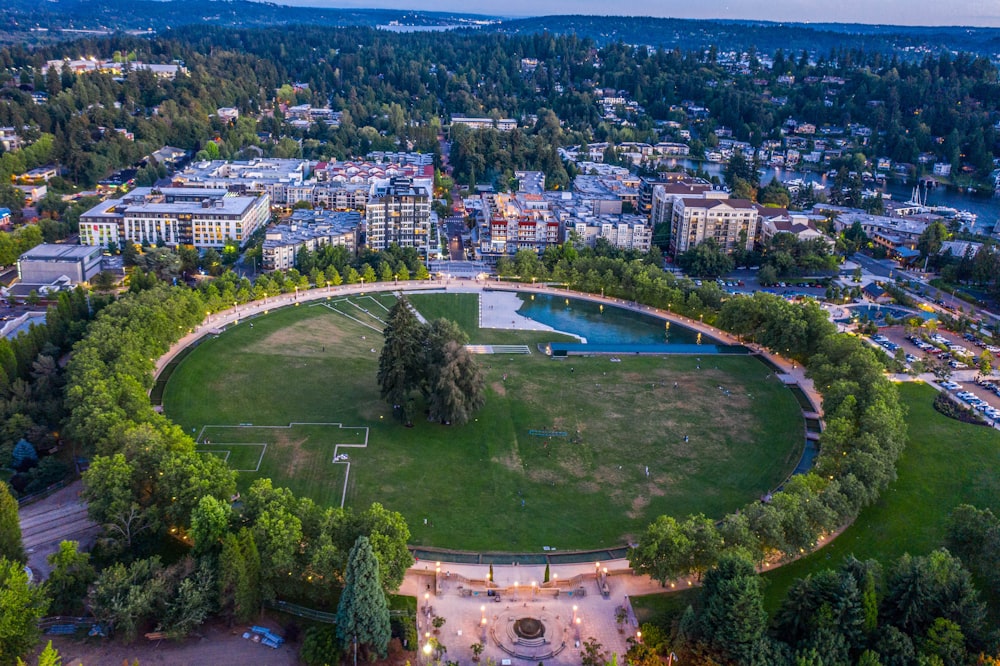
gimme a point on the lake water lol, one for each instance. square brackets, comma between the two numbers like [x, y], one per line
[611, 326]
[985, 206]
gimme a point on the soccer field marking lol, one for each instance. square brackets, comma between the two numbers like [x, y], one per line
[376, 302]
[367, 312]
[220, 447]
[293, 424]
[329, 306]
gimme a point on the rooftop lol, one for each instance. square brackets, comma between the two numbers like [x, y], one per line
[59, 252]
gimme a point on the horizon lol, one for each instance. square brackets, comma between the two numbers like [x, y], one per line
[931, 14]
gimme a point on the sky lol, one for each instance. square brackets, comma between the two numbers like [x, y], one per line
[977, 13]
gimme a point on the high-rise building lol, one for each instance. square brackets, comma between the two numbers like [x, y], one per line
[398, 212]
[731, 222]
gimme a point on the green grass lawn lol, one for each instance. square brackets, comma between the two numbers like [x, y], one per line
[463, 309]
[490, 484]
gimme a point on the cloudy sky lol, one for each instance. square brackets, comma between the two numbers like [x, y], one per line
[980, 13]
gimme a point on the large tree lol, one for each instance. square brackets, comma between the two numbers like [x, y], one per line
[706, 259]
[401, 358]
[363, 614]
[432, 358]
[931, 239]
[732, 621]
[453, 383]
[10, 527]
[21, 606]
[71, 574]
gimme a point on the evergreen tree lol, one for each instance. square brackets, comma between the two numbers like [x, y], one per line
[248, 588]
[10, 527]
[401, 358]
[362, 614]
[455, 382]
[239, 576]
[732, 620]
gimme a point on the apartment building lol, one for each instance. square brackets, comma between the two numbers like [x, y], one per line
[258, 176]
[398, 211]
[731, 222]
[311, 229]
[662, 197]
[502, 124]
[516, 222]
[175, 216]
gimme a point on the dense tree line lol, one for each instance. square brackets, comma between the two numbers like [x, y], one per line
[918, 610]
[32, 382]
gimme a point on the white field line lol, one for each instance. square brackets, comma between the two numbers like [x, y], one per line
[367, 312]
[377, 302]
[363, 323]
[220, 445]
[336, 448]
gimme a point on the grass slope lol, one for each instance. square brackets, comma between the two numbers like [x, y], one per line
[945, 463]
[490, 484]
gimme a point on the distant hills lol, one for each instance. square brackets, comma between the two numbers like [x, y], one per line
[63, 18]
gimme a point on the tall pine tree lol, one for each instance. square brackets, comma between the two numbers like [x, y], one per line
[363, 615]
[400, 361]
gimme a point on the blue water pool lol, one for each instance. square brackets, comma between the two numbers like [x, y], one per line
[609, 326]
[880, 312]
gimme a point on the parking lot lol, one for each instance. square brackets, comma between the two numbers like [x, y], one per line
[982, 395]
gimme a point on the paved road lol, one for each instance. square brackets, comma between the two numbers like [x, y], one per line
[59, 517]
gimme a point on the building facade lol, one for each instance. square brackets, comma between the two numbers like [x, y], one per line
[45, 264]
[731, 222]
[175, 216]
[311, 230]
[398, 211]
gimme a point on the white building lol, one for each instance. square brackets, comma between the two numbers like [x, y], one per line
[696, 220]
[175, 216]
[503, 124]
[271, 176]
[398, 211]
